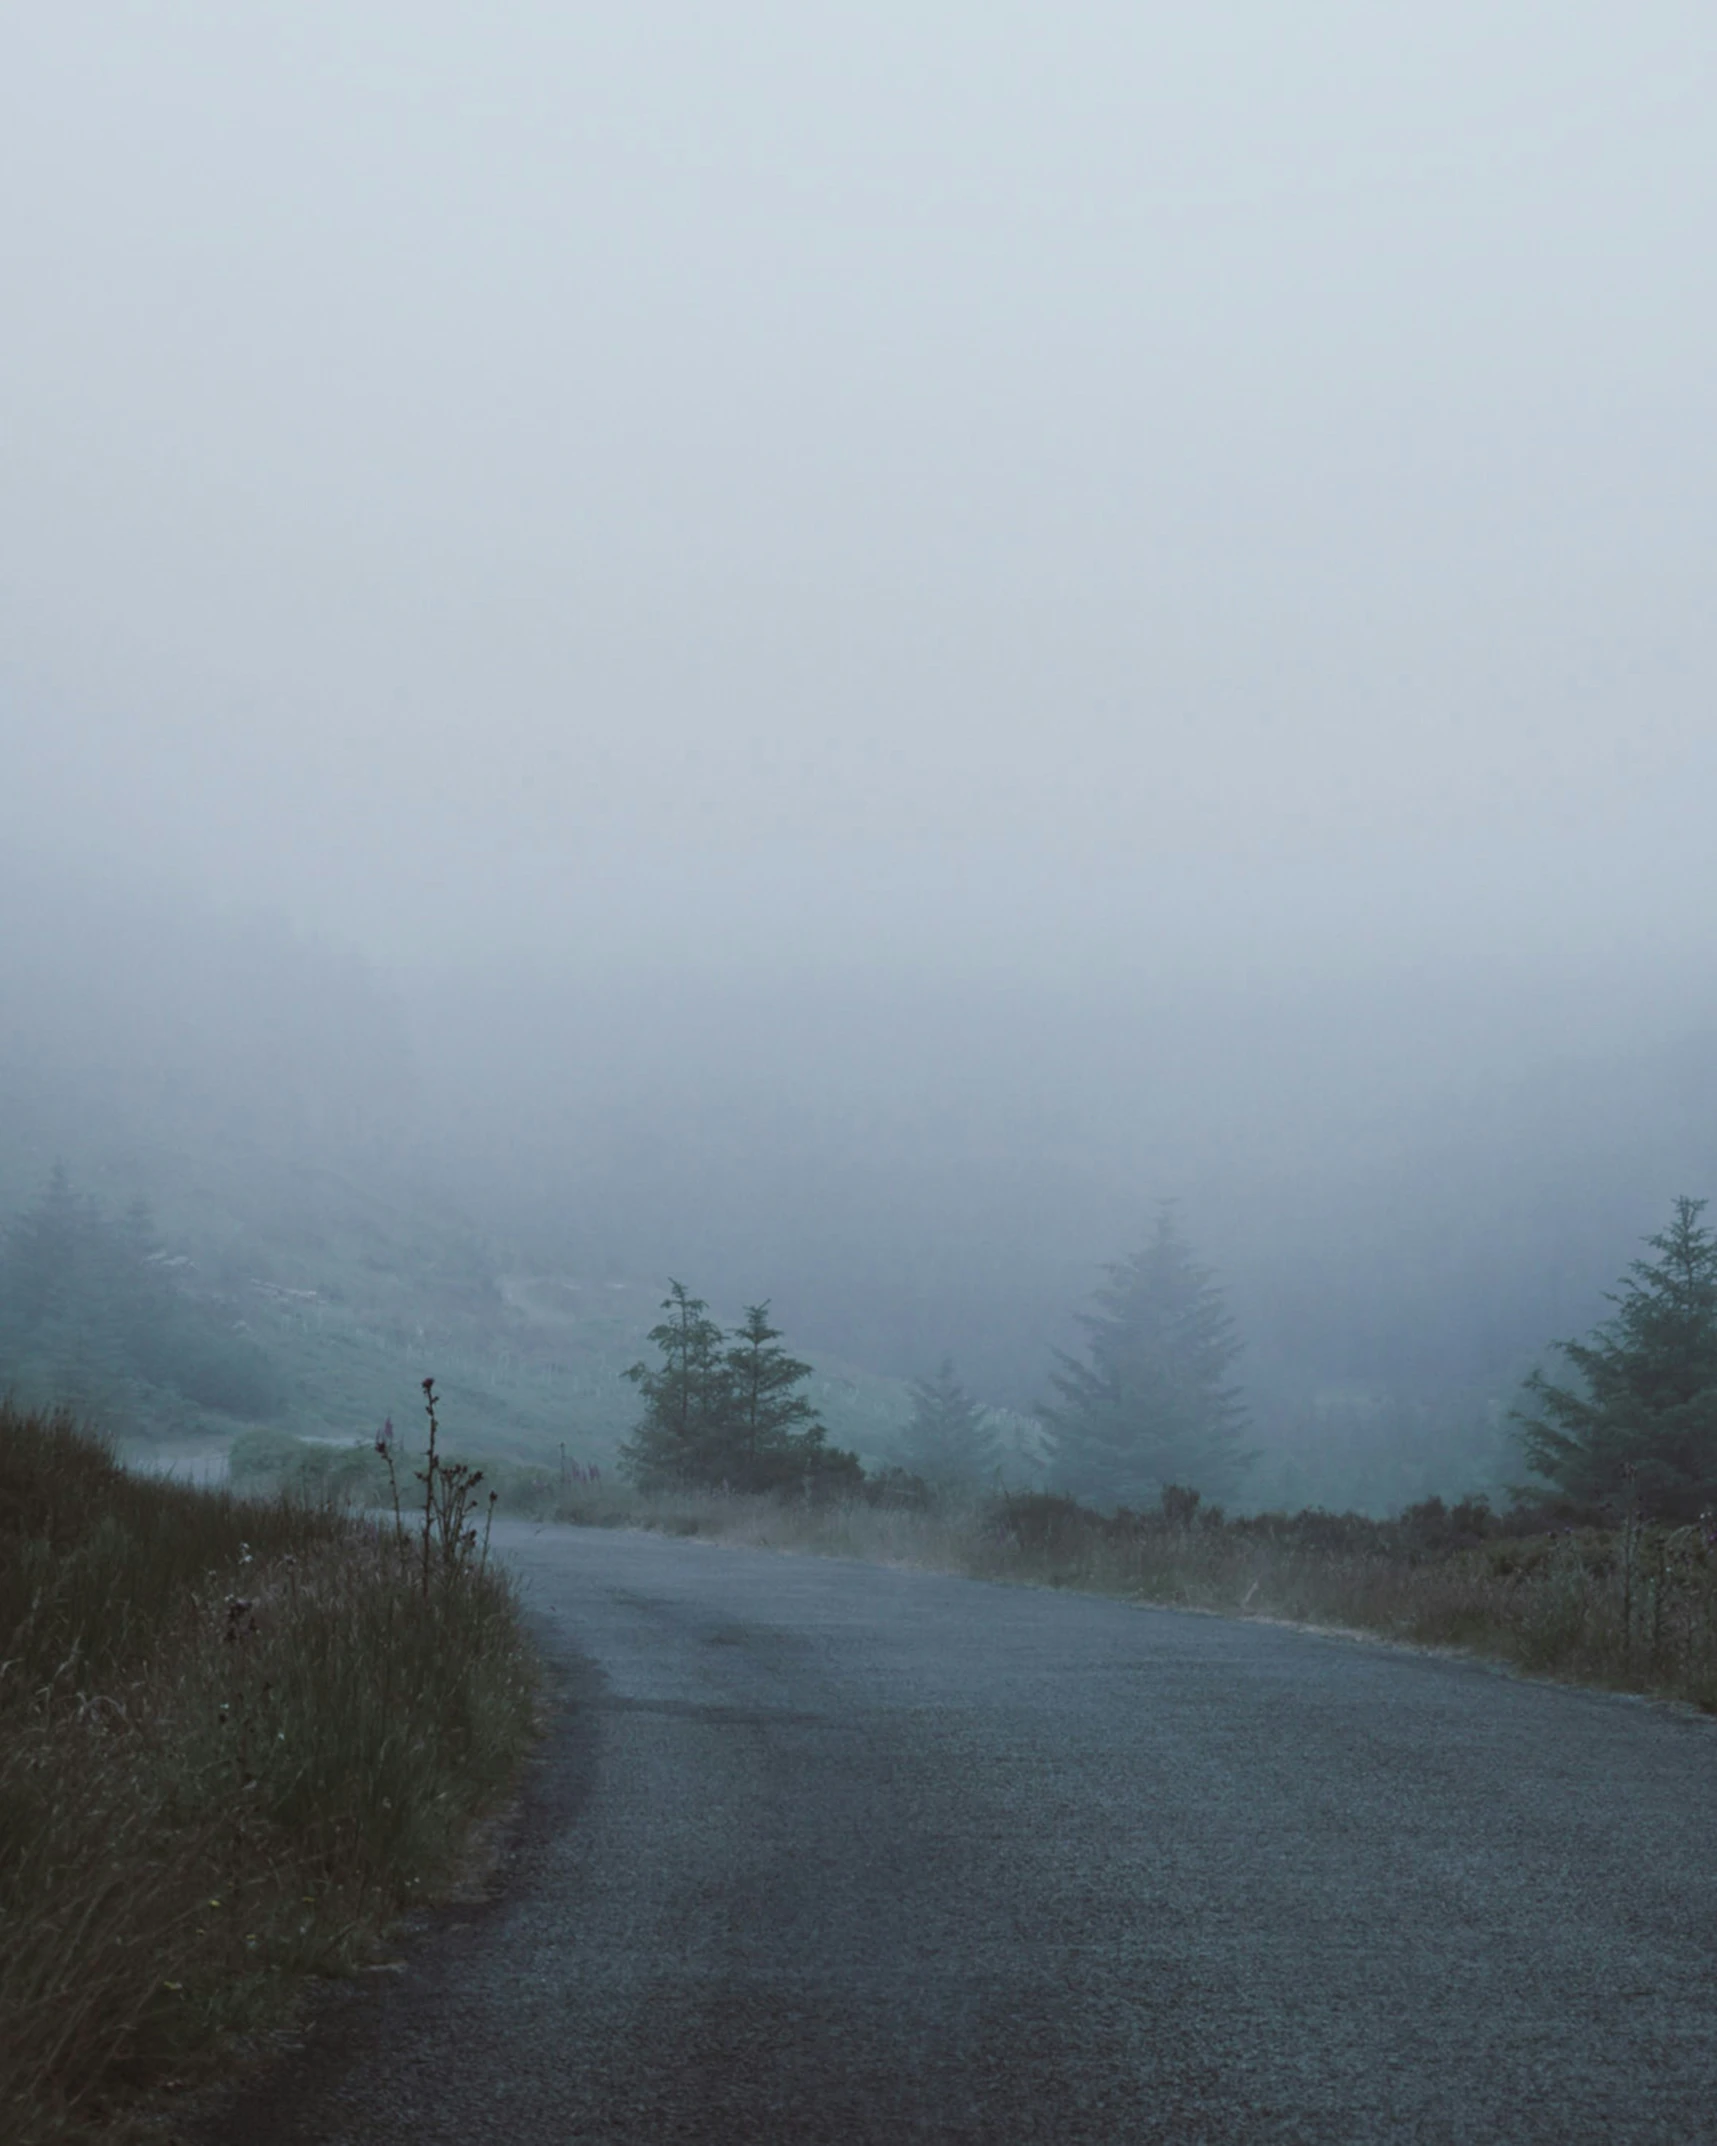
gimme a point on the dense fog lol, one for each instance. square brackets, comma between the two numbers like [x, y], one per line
[829, 656]
[1407, 1191]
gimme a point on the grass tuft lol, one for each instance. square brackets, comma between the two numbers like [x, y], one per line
[236, 1739]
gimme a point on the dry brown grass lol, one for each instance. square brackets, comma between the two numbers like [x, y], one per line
[235, 1739]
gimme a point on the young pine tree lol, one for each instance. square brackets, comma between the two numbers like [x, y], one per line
[773, 1429]
[1645, 1408]
[686, 1403]
[1151, 1405]
[734, 1416]
[950, 1442]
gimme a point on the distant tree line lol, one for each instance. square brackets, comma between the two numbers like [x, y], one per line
[96, 1312]
[1149, 1406]
[93, 1313]
[1148, 1410]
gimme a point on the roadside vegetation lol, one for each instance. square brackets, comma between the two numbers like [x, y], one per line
[1553, 1589]
[1605, 1571]
[1601, 1569]
[238, 1738]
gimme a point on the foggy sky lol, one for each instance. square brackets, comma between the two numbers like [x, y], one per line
[1223, 490]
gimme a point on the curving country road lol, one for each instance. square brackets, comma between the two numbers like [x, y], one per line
[823, 1852]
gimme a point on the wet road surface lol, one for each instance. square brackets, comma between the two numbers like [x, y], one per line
[823, 1852]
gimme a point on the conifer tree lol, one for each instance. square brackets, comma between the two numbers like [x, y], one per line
[732, 1417]
[90, 1316]
[1151, 1404]
[772, 1427]
[951, 1440]
[1644, 1412]
[56, 1314]
[49, 1255]
[682, 1428]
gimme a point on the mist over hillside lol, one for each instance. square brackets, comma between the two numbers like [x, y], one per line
[922, 785]
[1407, 1191]
[827, 655]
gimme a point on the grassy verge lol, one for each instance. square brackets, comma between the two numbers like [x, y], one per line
[1632, 1607]
[236, 1739]
[1557, 1593]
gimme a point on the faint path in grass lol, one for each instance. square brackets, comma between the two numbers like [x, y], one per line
[822, 1851]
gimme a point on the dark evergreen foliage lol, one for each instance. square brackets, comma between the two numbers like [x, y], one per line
[950, 1441]
[730, 1417]
[1642, 1420]
[770, 1419]
[1151, 1405]
[680, 1433]
[94, 1314]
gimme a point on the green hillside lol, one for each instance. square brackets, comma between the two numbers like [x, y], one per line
[183, 1325]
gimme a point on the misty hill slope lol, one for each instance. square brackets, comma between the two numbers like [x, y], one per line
[526, 1361]
[321, 1315]
[358, 1181]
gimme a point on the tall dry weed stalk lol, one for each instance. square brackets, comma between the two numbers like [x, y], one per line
[449, 1491]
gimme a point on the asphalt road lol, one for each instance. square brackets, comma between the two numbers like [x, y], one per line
[822, 1852]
